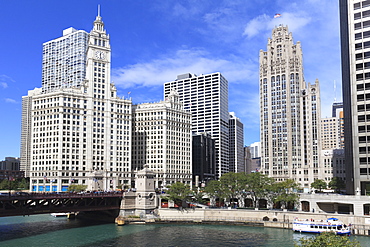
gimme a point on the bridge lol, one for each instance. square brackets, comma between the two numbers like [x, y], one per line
[42, 203]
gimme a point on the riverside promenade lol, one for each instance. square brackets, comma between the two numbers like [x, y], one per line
[265, 218]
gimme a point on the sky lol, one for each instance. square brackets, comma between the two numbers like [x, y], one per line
[153, 41]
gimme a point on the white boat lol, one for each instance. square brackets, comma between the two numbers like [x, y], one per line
[59, 214]
[319, 226]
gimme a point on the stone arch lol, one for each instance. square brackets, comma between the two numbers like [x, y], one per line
[248, 203]
[262, 203]
[265, 218]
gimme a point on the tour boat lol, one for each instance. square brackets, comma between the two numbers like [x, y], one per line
[59, 214]
[319, 226]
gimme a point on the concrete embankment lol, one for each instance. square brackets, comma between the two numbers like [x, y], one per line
[266, 218]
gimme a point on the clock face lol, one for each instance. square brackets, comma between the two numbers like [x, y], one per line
[99, 55]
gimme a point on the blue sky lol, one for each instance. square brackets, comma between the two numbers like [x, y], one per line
[154, 41]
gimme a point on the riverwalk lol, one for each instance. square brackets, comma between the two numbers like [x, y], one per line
[265, 218]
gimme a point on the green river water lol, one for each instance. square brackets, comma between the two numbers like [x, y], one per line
[45, 230]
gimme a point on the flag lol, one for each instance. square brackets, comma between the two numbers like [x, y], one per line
[129, 92]
[45, 178]
[277, 15]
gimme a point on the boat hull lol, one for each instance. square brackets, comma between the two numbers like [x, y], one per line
[59, 214]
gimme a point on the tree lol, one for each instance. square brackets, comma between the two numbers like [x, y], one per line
[337, 184]
[233, 185]
[286, 192]
[327, 239]
[259, 186]
[214, 190]
[319, 184]
[178, 192]
[76, 188]
[8, 184]
[197, 196]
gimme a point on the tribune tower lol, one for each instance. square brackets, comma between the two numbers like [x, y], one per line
[289, 112]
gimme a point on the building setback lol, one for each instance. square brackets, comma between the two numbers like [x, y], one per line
[161, 140]
[206, 96]
[75, 130]
[289, 112]
[355, 44]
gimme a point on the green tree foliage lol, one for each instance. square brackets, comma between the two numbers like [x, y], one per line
[328, 239]
[213, 189]
[233, 185]
[255, 186]
[15, 184]
[76, 188]
[197, 196]
[178, 192]
[337, 184]
[259, 186]
[286, 192]
[319, 184]
[23, 184]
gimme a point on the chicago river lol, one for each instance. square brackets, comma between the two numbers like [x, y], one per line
[45, 230]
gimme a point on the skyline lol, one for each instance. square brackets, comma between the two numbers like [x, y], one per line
[153, 42]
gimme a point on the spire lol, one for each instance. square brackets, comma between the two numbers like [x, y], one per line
[98, 23]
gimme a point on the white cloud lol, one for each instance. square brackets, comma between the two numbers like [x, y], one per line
[256, 25]
[161, 70]
[264, 23]
[9, 100]
[5, 80]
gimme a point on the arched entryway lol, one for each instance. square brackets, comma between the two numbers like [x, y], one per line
[305, 205]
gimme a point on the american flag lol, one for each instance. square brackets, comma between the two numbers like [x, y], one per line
[277, 15]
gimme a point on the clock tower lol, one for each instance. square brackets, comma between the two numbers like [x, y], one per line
[98, 61]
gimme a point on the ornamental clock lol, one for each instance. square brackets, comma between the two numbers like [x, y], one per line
[99, 55]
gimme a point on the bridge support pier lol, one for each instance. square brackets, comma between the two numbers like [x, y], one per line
[140, 203]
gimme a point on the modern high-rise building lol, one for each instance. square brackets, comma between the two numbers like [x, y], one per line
[204, 159]
[236, 144]
[255, 150]
[161, 140]
[64, 59]
[355, 47]
[26, 134]
[333, 164]
[289, 112]
[335, 107]
[332, 129]
[330, 138]
[206, 96]
[75, 130]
